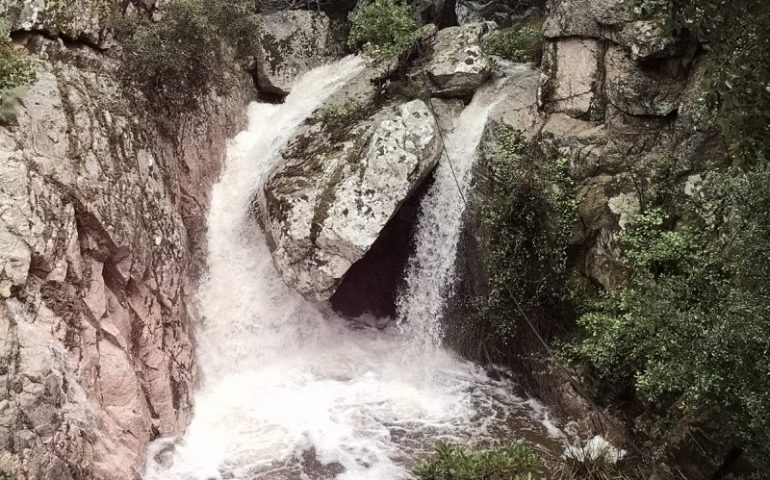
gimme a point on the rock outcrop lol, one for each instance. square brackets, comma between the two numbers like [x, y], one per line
[101, 239]
[327, 203]
[622, 95]
[83, 20]
[502, 12]
[457, 66]
[291, 42]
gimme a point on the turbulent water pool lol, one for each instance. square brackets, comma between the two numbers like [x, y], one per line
[291, 390]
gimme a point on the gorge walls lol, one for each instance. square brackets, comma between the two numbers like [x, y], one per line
[102, 234]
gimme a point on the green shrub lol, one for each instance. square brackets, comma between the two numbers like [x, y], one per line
[16, 71]
[690, 331]
[182, 57]
[336, 117]
[527, 217]
[520, 43]
[456, 462]
[382, 29]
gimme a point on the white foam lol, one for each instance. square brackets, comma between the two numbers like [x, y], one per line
[286, 380]
[431, 269]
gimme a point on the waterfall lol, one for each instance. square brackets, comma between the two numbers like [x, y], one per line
[290, 390]
[431, 268]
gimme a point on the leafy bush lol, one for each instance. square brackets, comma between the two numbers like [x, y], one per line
[520, 43]
[180, 58]
[527, 218]
[382, 29]
[336, 117]
[456, 462]
[690, 332]
[16, 71]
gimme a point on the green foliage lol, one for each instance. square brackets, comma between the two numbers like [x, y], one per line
[592, 466]
[16, 71]
[527, 220]
[182, 57]
[10, 99]
[335, 117]
[737, 34]
[690, 332]
[522, 42]
[382, 29]
[456, 462]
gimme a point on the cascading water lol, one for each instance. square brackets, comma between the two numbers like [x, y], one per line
[290, 391]
[431, 268]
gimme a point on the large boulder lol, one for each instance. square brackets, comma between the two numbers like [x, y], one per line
[458, 66]
[572, 77]
[612, 20]
[341, 182]
[291, 42]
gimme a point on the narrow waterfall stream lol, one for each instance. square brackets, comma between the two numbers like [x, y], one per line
[431, 268]
[289, 390]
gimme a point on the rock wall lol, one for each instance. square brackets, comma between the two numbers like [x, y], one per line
[102, 231]
[622, 99]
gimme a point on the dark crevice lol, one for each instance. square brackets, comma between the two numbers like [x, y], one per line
[372, 284]
[448, 17]
[81, 42]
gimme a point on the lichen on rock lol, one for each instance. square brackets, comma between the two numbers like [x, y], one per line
[326, 204]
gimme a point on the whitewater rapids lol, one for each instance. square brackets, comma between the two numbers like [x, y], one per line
[290, 390]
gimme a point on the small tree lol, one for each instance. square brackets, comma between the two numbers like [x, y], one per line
[522, 42]
[382, 29]
[180, 58]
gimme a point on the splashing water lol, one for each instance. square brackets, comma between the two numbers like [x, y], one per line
[431, 268]
[290, 391]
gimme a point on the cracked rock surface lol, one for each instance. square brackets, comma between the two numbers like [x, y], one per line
[101, 241]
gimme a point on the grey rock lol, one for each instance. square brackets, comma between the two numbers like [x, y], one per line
[572, 77]
[501, 12]
[610, 20]
[640, 91]
[326, 205]
[291, 42]
[458, 66]
[80, 19]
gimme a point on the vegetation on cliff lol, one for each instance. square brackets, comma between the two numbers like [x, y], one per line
[688, 330]
[527, 216]
[16, 72]
[180, 59]
[737, 36]
[686, 338]
[382, 28]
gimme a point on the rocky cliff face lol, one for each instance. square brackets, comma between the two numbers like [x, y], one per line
[622, 103]
[101, 240]
[102, 216]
